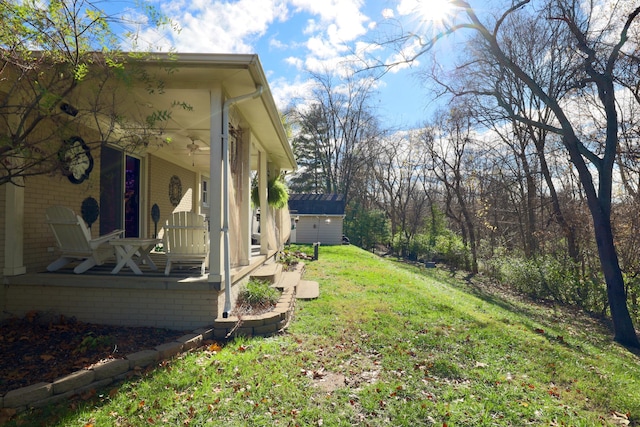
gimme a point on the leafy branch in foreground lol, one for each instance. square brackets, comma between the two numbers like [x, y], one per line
[61, 73]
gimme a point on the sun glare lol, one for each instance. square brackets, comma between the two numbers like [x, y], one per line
[435, 11]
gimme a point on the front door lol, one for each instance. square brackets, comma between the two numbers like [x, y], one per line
[120, 192]
[132, 197]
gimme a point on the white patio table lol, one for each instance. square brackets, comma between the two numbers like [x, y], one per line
[133, 251]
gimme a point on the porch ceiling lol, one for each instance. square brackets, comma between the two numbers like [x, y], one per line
[195, 75]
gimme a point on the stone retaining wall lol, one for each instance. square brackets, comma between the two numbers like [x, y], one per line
[259, 325]
[99, 375]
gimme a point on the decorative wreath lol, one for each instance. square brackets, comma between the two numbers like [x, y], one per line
[175, 190]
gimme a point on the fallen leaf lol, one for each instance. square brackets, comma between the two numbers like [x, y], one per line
[214, 347]
[620, 418]
[31, 315]
[46, 357]
[6, 414]
[88, 394]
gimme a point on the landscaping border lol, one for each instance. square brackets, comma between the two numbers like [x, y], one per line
[104, 373]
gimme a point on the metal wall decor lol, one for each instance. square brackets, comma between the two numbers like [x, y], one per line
[90, 210]
[175, 190]
[155, 216]
[76, 159]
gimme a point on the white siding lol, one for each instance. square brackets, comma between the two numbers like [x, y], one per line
[324, 229]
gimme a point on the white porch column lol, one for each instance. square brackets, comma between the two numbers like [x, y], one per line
[245, 204]
[14, 231]
[264, 207]
[216, 268]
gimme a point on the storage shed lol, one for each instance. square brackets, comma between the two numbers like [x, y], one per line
[319, 218]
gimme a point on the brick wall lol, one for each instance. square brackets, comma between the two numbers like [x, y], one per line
[160, 173]
[3, 191]
[44, 191]
[3, 297]
[184, 306]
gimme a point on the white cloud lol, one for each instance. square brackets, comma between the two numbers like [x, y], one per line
[277, 44]
[349, 21]
[407, 7]
[387, 13]
[321, 48]
[222, 26]
[405, 58]
[296, 62]
[286, 93]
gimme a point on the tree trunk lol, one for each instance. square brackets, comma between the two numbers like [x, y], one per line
[624, 331]
[558, 216]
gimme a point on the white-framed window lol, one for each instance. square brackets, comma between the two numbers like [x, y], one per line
[205, 192]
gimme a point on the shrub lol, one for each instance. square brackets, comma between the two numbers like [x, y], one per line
[257, 295]
[450, 249]
[550, 278]
[291, 258]
[366, 228]
[420, 247]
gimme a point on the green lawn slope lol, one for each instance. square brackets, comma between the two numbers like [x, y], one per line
[387, 344]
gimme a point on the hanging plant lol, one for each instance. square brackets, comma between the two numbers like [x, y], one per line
[277, 194]
[255, 195]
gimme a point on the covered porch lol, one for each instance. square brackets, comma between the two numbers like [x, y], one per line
[183, 300]
[206, 159]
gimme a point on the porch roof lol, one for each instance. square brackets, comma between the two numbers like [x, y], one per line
[191, 80]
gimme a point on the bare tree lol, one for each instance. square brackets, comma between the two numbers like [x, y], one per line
[451, 155]
[591, 79]
[336, 132]
[397, 170]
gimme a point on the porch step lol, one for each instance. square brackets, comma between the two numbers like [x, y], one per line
[288, 279]
[269, 272]
[307, 290]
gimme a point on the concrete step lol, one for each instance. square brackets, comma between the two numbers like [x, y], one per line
[270, 272]
[288, 279]
[307, 290]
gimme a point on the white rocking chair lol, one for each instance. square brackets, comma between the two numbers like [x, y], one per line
[186, 240]
[74, 240]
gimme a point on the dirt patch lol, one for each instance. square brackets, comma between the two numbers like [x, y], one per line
[329, 382]
[35, 351]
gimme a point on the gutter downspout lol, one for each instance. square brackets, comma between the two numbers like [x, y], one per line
[225, 192]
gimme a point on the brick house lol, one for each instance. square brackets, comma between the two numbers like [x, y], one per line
[231, 107]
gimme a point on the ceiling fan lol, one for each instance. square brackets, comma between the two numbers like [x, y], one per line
[194, 148]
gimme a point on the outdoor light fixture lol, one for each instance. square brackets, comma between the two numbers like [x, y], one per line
[69, 109]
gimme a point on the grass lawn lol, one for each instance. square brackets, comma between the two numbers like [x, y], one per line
[387, 344]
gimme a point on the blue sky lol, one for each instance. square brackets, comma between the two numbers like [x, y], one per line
[293, 37]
